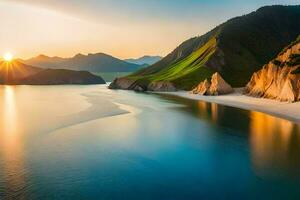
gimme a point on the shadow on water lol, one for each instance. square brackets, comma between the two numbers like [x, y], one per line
[274, 143]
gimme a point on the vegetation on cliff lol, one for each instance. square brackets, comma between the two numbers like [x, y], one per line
[235, 49]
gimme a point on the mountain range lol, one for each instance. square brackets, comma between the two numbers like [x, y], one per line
[16, 72]
[235, 49]
[98, 62]
[145, 60]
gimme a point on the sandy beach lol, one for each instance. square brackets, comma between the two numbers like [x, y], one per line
[289, 111]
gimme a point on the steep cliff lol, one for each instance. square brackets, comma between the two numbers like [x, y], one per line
[216, 86]
[280, 78]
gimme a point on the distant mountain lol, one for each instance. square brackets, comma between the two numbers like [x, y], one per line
[43, 61]
[16, 72]
[61, 76]
[10, 72]
[145, 60]
[235, 49]
[99, 62]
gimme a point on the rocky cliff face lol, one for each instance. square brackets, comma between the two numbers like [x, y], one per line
[217, 86]
[121, 83]
[162, 86]
[279, 79]
[129, 84]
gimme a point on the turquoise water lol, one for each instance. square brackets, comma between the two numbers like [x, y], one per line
[88, 142]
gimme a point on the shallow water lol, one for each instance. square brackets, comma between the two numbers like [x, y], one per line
[88, 142]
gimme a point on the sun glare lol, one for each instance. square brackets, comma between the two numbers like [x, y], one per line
[8, 57]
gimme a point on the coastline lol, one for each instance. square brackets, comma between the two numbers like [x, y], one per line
[289, 111]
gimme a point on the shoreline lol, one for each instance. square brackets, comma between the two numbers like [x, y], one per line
[285, 110]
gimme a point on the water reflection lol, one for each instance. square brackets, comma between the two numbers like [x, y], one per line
[214, 112]
[9, 111]
[221, 116]
[274, 143]
[12, 162]
[195, 146]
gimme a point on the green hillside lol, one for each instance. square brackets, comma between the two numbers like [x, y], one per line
[186, 72]
[235, 49]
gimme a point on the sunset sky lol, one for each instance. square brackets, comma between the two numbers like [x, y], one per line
[122, 28]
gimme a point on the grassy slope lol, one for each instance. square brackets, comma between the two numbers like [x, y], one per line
[237, 48]
[185, 73]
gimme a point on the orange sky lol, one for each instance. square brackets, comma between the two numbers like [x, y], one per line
[65, 28]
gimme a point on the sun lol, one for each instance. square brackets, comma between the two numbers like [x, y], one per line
[8, 57]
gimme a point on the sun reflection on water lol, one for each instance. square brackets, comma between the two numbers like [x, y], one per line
[9, 111]
[12, 162]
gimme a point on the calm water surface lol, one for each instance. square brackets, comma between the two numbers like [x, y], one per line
[88, 142]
